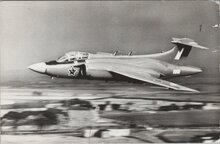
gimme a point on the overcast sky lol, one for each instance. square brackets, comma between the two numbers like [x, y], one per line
[32, 32]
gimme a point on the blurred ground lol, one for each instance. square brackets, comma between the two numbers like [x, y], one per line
[144, 102]
[60, 138]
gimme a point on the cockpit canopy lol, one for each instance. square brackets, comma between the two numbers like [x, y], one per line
[72, 56]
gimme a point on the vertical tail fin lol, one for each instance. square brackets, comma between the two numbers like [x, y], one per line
[184, 46]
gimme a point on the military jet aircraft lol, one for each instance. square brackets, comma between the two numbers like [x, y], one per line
[151, 68]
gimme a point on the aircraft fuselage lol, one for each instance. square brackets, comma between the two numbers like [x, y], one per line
[87, 69]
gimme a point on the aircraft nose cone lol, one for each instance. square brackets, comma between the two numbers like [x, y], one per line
[38, 67]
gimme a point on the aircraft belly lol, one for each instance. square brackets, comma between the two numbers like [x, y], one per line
[99, 74]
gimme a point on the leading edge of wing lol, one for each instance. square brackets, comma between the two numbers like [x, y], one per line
[141, 74]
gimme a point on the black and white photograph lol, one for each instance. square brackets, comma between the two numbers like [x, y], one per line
[110, 72]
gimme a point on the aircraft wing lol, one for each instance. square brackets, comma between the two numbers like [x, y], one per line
[141, 74]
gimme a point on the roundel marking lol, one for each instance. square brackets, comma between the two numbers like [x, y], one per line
[72, 71]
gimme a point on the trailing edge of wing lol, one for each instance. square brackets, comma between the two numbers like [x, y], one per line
[169, 84]
[148, 78]
[141, 74]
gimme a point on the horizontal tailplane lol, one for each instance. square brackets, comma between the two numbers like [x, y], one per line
[184, 46]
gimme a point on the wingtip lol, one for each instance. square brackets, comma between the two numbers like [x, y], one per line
[196, 91]
[192, 90]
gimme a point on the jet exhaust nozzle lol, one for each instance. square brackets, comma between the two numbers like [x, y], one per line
[190, 70]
